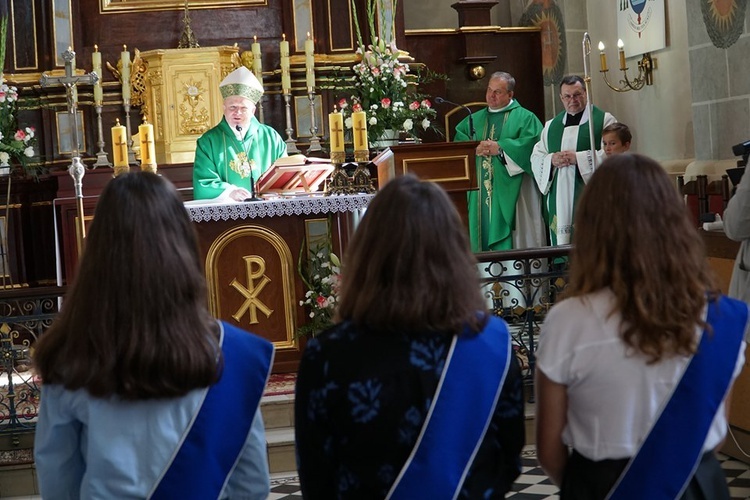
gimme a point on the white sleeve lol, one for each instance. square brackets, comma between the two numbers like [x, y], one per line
[541, 162]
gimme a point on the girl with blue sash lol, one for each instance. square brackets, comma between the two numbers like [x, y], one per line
[416, 392]
[145, 394]
[634, 368]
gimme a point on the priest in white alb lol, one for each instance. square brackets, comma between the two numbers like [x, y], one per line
[562, 160]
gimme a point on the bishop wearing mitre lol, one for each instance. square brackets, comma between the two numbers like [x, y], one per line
[231, 156]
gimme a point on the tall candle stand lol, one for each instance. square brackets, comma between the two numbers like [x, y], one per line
[291, 144]
[261, 116]
[131, 153]
[314, 140]
[101, 156]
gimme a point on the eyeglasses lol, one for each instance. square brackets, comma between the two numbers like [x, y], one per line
[238, 109]
[567, 97]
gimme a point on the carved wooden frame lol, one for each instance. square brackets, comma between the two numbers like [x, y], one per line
[152, 5]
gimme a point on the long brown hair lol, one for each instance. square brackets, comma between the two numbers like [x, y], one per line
[135, 322]
[634, 236]
[409, 266]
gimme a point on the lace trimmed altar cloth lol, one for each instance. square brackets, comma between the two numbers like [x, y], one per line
[297, 205]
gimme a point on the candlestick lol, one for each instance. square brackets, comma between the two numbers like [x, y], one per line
[129, 136]
[602, 57]
[96, 62]
[120, 148]
[314, 140]
[621, 46]
[309, 63]
[336, 130]
[148, 149]
[291, 145]
[359, 125]
[286, 80]
[125, 72]
[101, 156]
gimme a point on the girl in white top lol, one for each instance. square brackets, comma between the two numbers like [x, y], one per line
[611, 354]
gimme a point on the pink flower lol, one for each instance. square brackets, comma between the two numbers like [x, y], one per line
[414, 106]
[342, 103]
[426, 103]
[20, 134]
[321, 301]
[375, 71]
[357, 107]
[385, 102]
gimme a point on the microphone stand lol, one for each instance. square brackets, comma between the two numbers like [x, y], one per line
[472, 131]
[253, 197]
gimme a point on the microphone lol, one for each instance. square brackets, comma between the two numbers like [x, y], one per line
[472, 132]
[252, 181]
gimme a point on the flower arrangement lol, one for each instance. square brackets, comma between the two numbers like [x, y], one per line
[384, 87]
[15, 143]
[321, 275]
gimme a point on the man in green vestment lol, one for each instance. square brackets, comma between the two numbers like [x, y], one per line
[505, 212]
[230, 157]
[562, 160]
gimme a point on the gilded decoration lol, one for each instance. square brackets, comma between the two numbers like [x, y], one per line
[194, 117]
[257, 290]
[724, 20]
[154, 5]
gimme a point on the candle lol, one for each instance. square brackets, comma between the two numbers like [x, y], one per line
[119, 145]
[96, 60]
[257, 62]
[336, 129]
[602, 57]
[286, 80]
[125, 72]
[146, 137]
[359, 125]
[621, 46]
[310, 63]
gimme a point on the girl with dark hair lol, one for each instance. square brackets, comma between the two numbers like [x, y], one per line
[415, 392]
[634, 367]
[145, 394]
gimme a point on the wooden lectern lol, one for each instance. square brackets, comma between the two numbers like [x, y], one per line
[452, 165]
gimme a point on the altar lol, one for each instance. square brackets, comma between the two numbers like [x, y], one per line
[251, 253]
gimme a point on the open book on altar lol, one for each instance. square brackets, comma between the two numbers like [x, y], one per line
[295, 173]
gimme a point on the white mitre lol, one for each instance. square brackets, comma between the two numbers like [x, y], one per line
[241, 82]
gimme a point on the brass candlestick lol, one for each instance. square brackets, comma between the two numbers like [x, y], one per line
[314, 140]
[101, 156]
[291, 144]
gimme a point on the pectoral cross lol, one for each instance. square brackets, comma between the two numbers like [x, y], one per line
[335, 136]
[70, 81]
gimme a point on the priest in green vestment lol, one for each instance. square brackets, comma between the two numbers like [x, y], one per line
[562, 160]
[231, 157]
[505, 212]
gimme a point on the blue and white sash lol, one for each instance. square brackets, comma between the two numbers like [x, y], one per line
[461, 411]
[212, 445]
[677, 437]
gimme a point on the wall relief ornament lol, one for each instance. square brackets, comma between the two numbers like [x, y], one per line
[724, 20]
[546, 15]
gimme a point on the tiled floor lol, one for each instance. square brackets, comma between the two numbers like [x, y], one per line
[533, 484]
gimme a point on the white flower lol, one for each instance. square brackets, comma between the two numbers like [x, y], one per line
[425, 124]
[312, 314]
[4, 157]
[29, 152]
[408, 124]
[348, 122]
[373, 120]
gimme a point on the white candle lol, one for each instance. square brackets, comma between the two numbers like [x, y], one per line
[257, 61]
[146, 138]
[286, 79]
[310, 63]
[125, 72]
[336, 129]
[359, 125]
[96, 60]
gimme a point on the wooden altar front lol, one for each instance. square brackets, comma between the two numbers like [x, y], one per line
[251, 253]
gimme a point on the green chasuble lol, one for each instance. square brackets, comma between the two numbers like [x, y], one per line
[220, 157]
[492, 209]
